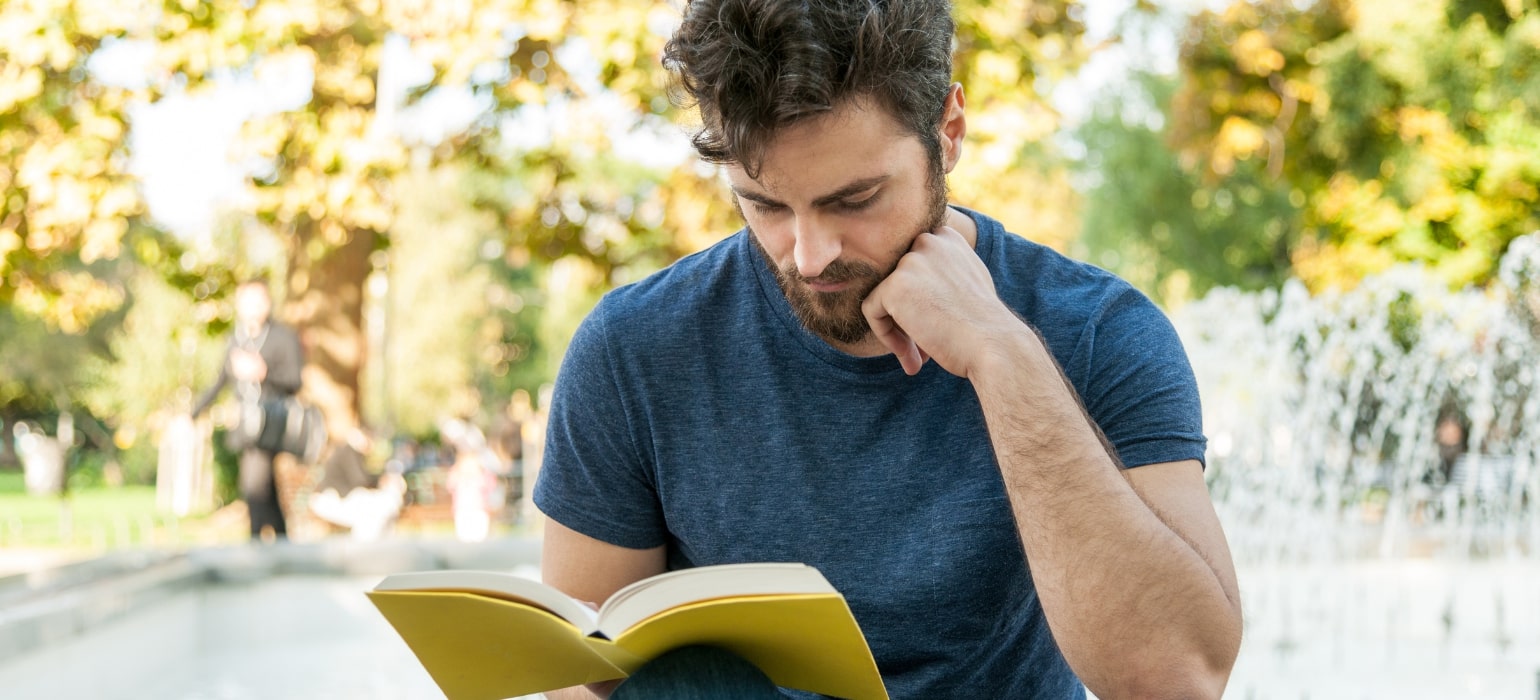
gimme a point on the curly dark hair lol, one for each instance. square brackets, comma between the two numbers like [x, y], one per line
[754, 67]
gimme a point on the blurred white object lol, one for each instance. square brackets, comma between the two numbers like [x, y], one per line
[367, 513]
[184, 477]
[42, 460]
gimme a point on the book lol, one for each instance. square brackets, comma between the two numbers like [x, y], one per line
[488, 636]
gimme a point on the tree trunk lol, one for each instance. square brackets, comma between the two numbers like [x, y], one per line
[325, 304]
[8, 456]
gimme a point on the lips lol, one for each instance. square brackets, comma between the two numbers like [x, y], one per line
[828, 287]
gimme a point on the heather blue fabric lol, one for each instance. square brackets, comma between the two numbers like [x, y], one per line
[693, 411]
[698, 673]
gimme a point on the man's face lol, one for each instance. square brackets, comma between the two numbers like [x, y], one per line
[839, 199]
[252, 304]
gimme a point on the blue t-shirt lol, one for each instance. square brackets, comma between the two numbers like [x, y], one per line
[693, 410]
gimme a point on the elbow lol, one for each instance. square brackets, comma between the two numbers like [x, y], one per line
[1197, 683]
[1198, 674]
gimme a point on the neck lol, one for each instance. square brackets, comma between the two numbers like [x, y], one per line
[964, 225]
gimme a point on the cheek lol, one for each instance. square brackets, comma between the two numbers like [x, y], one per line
[882, 239]
[774, 237]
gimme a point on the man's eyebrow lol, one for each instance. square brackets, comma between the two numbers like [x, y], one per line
[856, 187]
[754, 197]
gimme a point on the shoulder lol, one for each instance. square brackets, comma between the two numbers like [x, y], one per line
[282, 330]
[283, 333]
[1058, 294]
[1114, 344]
[696, 293]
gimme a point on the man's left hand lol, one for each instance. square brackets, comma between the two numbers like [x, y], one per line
[939, 303]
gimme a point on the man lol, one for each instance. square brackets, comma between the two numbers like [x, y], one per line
[264, 360]
[890, 389]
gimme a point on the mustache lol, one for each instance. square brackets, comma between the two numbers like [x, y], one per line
[834, 273]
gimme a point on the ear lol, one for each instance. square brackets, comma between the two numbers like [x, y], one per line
[953, 127]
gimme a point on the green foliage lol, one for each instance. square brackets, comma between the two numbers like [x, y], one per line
[156, 361]
[439, 320]
[139, 462]
[87, 470]
[1160, 225]
[330, 180]
[42, 370]
[66, 198]
[227, 470]
[519, 358]
[1409, 128]
[1404, 321]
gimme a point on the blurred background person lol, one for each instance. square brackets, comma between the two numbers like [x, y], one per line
[350, 496]
[263, 361]
[472, 481]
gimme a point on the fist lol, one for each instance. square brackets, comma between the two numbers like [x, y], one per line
[247, 366]
[939, 303]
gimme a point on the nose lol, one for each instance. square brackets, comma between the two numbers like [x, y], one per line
[815, 247]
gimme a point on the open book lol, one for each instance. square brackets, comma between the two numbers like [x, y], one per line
[489, 636]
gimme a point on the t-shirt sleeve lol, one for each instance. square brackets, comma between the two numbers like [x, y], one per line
[593, 478]
[1138, 385]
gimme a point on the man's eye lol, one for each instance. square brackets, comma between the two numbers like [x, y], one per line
[762, 208]
[847, 205]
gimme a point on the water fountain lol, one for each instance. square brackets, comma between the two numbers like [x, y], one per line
[1375, 457]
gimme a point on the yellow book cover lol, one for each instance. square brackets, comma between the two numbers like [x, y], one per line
[489, 636]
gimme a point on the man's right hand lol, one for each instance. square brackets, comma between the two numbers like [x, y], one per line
[248, 366]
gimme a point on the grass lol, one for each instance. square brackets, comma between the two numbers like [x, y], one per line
[95, 519]
[99, 519]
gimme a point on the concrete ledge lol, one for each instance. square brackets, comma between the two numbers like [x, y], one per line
[46, 607]
[47, 618]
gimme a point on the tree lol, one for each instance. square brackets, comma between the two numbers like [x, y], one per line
[1009, 56]
[333, 162]
[1401, 132]
[326, 169]
[66, 198]
[1162, 226]
[153, 364]
[323, 174]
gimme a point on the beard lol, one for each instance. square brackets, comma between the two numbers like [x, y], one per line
[836, 316]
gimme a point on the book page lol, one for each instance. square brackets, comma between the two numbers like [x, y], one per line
[497, 585]
[654, 595]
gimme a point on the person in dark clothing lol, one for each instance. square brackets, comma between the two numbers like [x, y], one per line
[349, 496]
[344, 467]
[263, 361]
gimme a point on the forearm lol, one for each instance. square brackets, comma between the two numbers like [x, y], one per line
[212, 392]
[1136, 609]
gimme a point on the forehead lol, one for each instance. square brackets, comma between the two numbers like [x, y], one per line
[858, 139]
